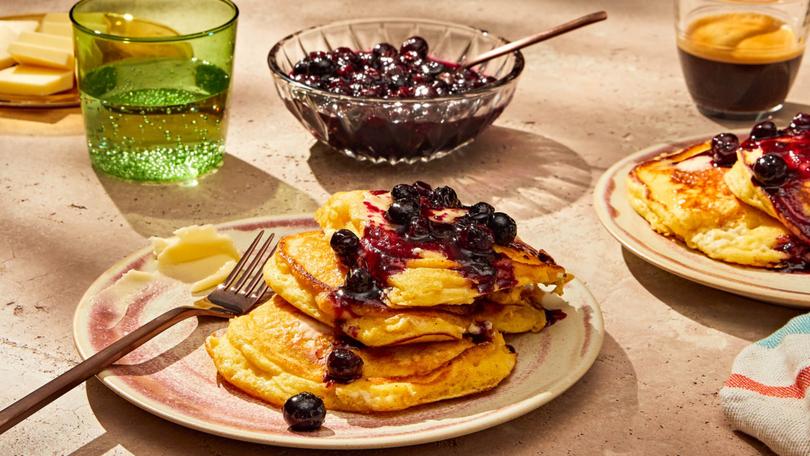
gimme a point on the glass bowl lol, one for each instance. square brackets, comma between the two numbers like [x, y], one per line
[394, 130]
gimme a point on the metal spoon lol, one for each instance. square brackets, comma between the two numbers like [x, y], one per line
[536, 38]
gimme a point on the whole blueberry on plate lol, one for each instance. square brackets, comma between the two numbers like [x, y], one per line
[358, 280]
[481, 212]
[304, 412]
[444, 197]
[770, 169]
[404, 192]
[503, 228]
[764, 130]
[343, 366]
[403, 211]
[724, 149]
[345, 244]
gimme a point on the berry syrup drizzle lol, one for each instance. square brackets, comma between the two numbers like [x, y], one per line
[387, 248]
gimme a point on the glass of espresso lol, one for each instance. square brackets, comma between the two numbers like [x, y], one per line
[740, 57]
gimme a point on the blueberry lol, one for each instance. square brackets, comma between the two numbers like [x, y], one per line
[343, 366]
[477, 238]
[304, 412]
[503, 228]
[410, 57]
[321, 66]
[770, 169]
[403, 211]
[423, 188]
[800, 122]
[419, 228]
[404, 192]
[415, 44]
[724, 149]
[358, 280]
[444, 197]
[384, 50]
[764, 130]
[481, 212]
[301, 67]
[345, 244]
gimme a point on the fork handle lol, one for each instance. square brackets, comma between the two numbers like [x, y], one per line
[43, 396]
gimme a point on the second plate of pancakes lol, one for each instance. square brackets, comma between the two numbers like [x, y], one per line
[634, 233]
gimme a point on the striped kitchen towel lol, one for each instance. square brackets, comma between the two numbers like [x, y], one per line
[766, 395]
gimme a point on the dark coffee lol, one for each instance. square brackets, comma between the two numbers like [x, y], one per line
[744, 76]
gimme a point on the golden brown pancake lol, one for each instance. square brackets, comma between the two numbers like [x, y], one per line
[275, 352]
[431, 278]
[305, 272]
[683, 195]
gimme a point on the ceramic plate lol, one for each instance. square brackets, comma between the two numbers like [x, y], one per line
[629, 228]
[65, 99]
[173, 377]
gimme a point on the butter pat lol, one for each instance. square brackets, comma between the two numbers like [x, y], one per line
[31, 80]
[47, 40]
[56, 17]
[196, 255]
[34, 54]
[57, 28]
[9, 32]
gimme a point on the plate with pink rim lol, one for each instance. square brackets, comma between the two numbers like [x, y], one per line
[172, 376]
[633, 232]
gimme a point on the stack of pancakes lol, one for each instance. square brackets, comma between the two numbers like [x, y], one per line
[434, 333]
[724, 211]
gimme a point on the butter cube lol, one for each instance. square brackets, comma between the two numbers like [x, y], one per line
[57, 28]
[9, 31]
[34, 54]
[31, 80]
[56, 17]
[47, 40]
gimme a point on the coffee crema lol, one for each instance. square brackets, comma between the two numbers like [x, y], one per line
[739, 62]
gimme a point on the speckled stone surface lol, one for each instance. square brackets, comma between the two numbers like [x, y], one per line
[585, 100]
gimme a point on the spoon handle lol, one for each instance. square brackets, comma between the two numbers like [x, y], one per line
[536, 38]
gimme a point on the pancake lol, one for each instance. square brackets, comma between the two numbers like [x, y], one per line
[417, 276]
[685, 196]
[275, 352]
[788, 202]
[306, 273]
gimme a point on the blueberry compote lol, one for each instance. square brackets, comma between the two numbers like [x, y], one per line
[419, 219]
[783, 172]
[386, 72]
[407, 127]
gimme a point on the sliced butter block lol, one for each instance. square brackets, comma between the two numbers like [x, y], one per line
[57, 28]
[33, 80]
[33, 54]
[7, 36]
[47, 40]
[56, 17]
[9, 31]
[20, 26]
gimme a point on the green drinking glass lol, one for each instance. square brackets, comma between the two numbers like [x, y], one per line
[154, 77]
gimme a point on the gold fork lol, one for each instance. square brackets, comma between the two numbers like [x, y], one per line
[240, 292]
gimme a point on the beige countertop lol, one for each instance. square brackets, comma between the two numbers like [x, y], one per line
[585, 101]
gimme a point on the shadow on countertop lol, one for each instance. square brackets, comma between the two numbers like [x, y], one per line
[237, 190]
[554, 427]
[521, 173]
[737, 316]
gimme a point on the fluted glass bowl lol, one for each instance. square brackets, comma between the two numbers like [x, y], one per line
[395, 130]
